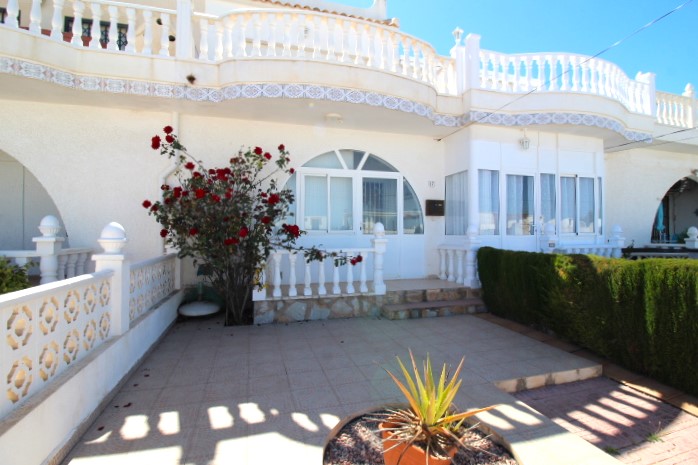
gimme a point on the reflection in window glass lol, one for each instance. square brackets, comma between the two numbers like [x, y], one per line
[456, 200]
[315, 203]
[489, 201]
[326, 160]
[352, 158]
[547, 200]
[380, 204]
[519, 205]
[412, 222]
[586, 205]
[341, 218]
[568, 205]
[375, 164]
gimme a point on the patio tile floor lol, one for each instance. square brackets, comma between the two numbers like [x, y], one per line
[263, 394]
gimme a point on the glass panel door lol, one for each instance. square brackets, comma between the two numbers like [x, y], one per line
[520, 216]
[341, 204]
[315, 203]
[380, 204]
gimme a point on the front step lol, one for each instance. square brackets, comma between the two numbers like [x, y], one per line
[432, 308]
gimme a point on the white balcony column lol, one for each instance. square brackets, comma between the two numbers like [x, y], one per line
[34, 16]
[113, 28]
[471, 70]
[363, 288]
[292, 291]
[95, 32]
[47, 247]
[57, 20]
[112, 240]
[321, 289]
[61, 272]
[184, 43]
[472, 244]
[350, 278]
[164, 34]
[451, 265]
[276, 257]
[78, 8]
[617, 241]
[81, 262]
[131, 31]
[380, 244]
[71, 265]
[442, 264]
[13, 11]
[203, 39]
[692, 116]
[307, 290]
[335, 280]
[459, 265]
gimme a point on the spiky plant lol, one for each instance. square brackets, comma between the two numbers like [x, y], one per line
[431, 420]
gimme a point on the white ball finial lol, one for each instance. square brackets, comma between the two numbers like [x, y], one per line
[379, 229]
[692, 232]
[113, 238]
[49, 226]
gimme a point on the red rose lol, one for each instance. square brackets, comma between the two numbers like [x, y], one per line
[168, 129]
[169, 138]
[215, 198]
[154, 208]
[200, 193]
[282, 147]
[274, 199]
[263, 195]
[258, 150]
[163, 232]
[359, 259]
[267, 155]
[165, 187]
[193, 231]
[291, 170]
[352, 261]
[147, 204]
[230, 241]
[190, 166]
[155, 142]
[266, 220]
[243, 232]
[168, 200]
[196, 174]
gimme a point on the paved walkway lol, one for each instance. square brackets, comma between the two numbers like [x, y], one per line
[214, 395]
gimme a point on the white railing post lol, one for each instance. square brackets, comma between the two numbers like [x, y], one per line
[451, 265]
[276, 291]
[112, 240]
[12, 12]
[47, 247]
[649, 93]
[472, 244]
[34, 17]
[307, 290]
[292, 291]
[78, 8]
[57, 20]
[442, 264]
[472, 58]
[321, 289]
[617, 241]
[183, 26]
[379, 246]
[692, 114]
[459, 265]
[350, 278]
[458, 53]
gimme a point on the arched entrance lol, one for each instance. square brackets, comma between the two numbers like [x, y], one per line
[24, 203]
[677, 211]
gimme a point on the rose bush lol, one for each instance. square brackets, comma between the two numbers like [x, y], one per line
[228, 219]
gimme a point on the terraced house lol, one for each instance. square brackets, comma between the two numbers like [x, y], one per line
[412, 158]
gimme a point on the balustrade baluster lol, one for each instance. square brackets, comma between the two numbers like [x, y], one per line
[304, 34]
[609, 81]
[516, 84]
[256, 36]
[228, 37]
[113, 33]
[442, 264]
[164, 36]
[574, 64]
[95, 32]
[13, 12]
[541, 73]
[307, 290]
[78, 8]
[56, 20]
[405, 56]
[593, 78]
[352, 43]
[131, 31]
[335, 280]
[240, 50]
[459, 257]
[62, 261]
[317, 37]
[220, 34]
[416, 62]
[364, 50]
[363, 287]
[293, 27]
[391, 53]
[70, 266]
[584, 70]
[276, 290]
[451, 265]
[148, 33]
[271, 31]
[81, 262]
[292, 291]
[323, 44]
[552, 76]
[203, 39]
[378, 56]
[34, 17]
[340, 41]
[528, 63]
[565, 74]
[350, 278]
[321, 289]
[330, 52]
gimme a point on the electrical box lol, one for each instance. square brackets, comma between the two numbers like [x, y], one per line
[435, 208]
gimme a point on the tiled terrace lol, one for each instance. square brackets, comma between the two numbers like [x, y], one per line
[209, 394]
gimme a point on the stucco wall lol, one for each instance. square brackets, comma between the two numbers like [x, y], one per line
[636, 182]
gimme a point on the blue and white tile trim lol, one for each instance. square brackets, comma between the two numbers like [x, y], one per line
[306, 91]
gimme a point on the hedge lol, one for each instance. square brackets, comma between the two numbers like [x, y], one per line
[641, 314]
[12, 277]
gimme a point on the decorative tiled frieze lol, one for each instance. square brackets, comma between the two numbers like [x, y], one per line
[307, 91]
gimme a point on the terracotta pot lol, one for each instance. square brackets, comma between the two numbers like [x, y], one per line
[413, 456]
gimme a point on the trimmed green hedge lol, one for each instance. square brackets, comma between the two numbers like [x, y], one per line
[641, 314]
[12, 277]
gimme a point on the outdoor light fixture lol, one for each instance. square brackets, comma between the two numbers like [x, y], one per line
[524, 142]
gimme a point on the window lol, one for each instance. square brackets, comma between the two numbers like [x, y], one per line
[456, 200]
[519, 221]
[489, 201]
[599, 218]
[547, 200]
[350, 191]
[578, 213]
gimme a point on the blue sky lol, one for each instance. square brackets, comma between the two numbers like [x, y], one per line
[669, 48]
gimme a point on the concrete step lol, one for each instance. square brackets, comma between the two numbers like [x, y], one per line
[404, 311]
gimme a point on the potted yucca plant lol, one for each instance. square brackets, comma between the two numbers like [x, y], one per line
[428, 431]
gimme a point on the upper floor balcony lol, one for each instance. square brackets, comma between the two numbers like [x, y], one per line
[288, 54]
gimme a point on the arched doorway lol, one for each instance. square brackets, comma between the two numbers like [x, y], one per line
[677, 211]
[24, 203]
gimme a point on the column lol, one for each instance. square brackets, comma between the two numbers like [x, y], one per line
[112, 240]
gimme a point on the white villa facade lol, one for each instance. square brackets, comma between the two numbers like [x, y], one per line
[533, 151]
